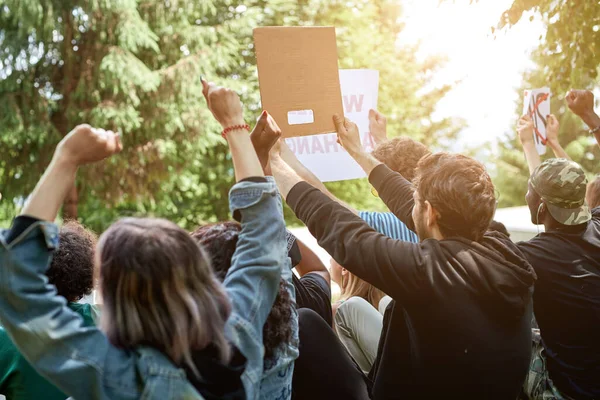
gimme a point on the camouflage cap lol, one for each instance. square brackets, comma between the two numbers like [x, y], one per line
[561, 183]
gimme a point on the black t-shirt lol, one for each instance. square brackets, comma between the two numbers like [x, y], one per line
[566, 303]
[312, 290]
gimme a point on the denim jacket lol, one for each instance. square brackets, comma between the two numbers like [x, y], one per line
[81, 361]
[277, 375]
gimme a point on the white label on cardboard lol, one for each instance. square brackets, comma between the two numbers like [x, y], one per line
[536, 104]
[301, 117]
[321, 154]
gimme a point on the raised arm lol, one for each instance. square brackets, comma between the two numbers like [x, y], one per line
[290, 158]
[356, 246]
[581, 102]
[39, 322]
[395, 191]
[552, 128]
[226, 107]
[525, 131]
[311, 263]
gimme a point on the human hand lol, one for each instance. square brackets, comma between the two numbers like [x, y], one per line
[377, 126]
[264, 137]
[525, 130]
[85, 145]
[552, 127]
[581, 102]
[224, 104]
[348, 135]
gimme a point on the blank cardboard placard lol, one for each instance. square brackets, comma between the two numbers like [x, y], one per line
[299, 78]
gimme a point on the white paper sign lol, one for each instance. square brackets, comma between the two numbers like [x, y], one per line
[321, 154]
[537, 105]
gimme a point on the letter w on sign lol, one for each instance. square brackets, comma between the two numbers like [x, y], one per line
[353, 103]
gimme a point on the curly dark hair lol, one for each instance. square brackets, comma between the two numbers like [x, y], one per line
[220, 240]
[401, 154]
[72, 266]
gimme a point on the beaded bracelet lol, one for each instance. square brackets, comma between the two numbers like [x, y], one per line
[595, 130]
[234, 128]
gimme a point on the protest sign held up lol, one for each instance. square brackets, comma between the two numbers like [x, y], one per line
[536, 104]
[321, 153]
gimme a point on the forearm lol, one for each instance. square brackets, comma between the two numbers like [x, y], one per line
[591, 119]
[290, 158]
[284, 175]
[311, 263]
[245, 160]
[51, 190]
[396, 192]
[531, 156]
[366, 161]
[558, 151]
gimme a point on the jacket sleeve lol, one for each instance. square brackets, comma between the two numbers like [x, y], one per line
[396, 192]
[391, 265]
[48, 334]
[252, 281]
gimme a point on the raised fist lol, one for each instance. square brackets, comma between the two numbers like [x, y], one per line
[224, 104]
[85, 145]
[581, 102]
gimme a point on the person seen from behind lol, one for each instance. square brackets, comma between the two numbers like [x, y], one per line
[566, 258]
[163, 308]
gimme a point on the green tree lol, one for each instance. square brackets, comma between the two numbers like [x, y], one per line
[567, 57]
[134, 66]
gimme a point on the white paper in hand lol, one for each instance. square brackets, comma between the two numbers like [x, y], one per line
[321, 154]
[536, 104]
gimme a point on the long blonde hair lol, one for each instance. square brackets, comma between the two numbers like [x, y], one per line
[159, 291]
[354, 286]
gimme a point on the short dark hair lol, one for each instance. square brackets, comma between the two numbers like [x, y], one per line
[593, 193]
[72, 266]
[401, 154]
[461, 191]
[220, 240]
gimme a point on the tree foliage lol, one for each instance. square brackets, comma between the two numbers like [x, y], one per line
[568, 56]
[134, 66]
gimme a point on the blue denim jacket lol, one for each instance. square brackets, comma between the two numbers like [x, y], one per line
[81, 361]
[277, 375]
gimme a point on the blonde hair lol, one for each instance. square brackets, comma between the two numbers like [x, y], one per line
[354, 286]
[159, 291]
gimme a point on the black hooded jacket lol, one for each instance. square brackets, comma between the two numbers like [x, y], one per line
[461, 323]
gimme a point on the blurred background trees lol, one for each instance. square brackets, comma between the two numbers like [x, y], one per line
[568, 57]
[134, 66]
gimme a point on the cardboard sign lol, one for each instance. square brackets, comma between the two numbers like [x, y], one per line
[537, 105]
[321, 153]
[298, 77]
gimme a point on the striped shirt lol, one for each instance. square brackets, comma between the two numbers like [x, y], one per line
[387, 224]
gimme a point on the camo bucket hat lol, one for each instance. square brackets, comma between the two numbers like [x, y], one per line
[561, 183]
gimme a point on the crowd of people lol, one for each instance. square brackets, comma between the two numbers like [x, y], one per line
[436, 300]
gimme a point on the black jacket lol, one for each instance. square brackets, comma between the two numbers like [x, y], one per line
[461, 325]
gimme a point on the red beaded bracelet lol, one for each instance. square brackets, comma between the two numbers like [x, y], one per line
[234, 128]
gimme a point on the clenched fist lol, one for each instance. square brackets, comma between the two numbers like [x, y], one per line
[581, 102]
[85, 145]
[224, 104]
